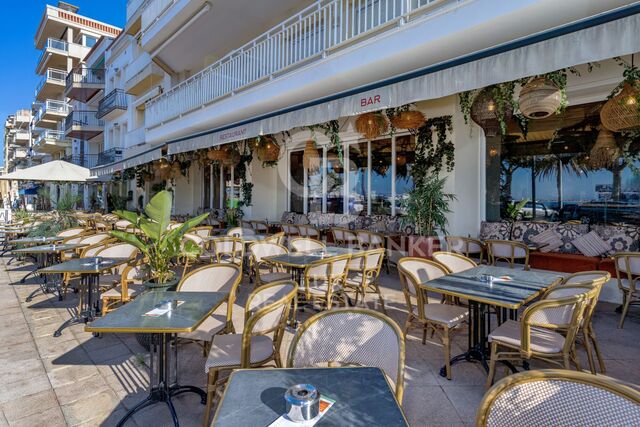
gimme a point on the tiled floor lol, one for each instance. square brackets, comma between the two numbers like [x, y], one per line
[77, 379]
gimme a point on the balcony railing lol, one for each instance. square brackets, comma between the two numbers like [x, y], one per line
[82, 118]
[153, 10]
[52, 106]
[85, 75]
[109, 156]
[53, 44]
[308, 35]
[53, 76]
[116, 99]
[56, 135]
[93, 160]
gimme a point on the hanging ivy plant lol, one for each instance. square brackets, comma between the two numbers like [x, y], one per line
[432, 157]
[331, 129]
[240, 170]
[631, 77]
[129, 174]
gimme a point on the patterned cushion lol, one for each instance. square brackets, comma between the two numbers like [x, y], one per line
[357, 223]
[343, 220]
[525, 231]
[549, 238]
[569, 232]
[288, 217]
[300, 219]
[619, 238]
[591, 244]
[494, 230]
[378, 222]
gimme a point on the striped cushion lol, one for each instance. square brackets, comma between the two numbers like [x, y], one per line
[591, 244]
[550, 239]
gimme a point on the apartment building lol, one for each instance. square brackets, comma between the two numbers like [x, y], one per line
[18, 153]
[70, 54]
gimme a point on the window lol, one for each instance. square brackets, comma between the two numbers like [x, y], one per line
[358, 178]
[553, 170]
[335, 182]
[405, 158]
[314, 189]
[381, 177]
[90, 41]
[206, 188]
[296, 186]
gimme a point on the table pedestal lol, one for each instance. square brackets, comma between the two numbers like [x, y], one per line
[478, 349]
[164, 368]
[44, 260]
[88, 304]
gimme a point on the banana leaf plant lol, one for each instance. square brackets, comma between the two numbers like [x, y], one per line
[159, 244]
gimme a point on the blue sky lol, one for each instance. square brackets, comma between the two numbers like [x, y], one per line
[18, 79]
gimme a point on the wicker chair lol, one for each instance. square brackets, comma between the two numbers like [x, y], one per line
[277, 238]
[454, 262]
[364, 272]
[240, 231]
[228, 250]
[260, 227]
[263, 271]
[117, 250]
[537, 335]
[202, 230]
[290, 230]
[471, 248]
[441, 319]
[507, 251]
[130, 286]
[628, 274]
[206, 255]
[305, 244]
[212, 278]
[324, 280]
[328, 339]
[246, 224]
[370, 240]
[122, 225]
[266, 313]
[558, 397]
[75, 231]
[344, 237]
[309, 231]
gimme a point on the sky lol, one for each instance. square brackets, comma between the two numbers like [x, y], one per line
[18, 79]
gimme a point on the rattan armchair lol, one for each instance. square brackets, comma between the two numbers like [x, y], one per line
[371, 240]
[344, 237]
[441, 319]
[328, 339]
[240, 231]
[228, 250]
[628, 275]
[454, 262]
[277, 238]
[547, 331]
[202, 230]
[264, 272]
[130, 286]
[260, 227]
[212, 278]
[266, 313]
[364, 272]
[324, 280]
[560, 398]
[290, 230]
[507, 251]
[305, 244]
[309, 231]
[466, 246]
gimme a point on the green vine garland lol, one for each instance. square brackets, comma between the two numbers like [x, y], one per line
[393, 112]
[240, 171]
[630, 76]
[331, 129]
[430, 157]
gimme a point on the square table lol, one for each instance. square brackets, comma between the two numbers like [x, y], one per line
[45, 255]
[195, 309]
[255, 397]
[508, 297]
[89, 270]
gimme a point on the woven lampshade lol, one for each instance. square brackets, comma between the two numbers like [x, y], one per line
[621, 112]
[231, 156]
[268, 149]
[408, 120]
[310, 158]
[372, 125]
[216, 154]
[484, 112]
[605, 151]
[539, 98]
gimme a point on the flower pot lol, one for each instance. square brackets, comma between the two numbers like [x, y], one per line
[423, 246]
[145, 340]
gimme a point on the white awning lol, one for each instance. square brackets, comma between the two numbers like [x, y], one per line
[54, 171]
[597, 39]
[135, 160]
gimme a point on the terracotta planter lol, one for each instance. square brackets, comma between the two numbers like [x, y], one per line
[423, 247]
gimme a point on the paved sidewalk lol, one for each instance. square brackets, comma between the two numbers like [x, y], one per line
[77, 379]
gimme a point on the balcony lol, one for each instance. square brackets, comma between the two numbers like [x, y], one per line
[21, 137]
[134, 15]
[308, 36]
[142, 75]
[23, 117]
[94, 160]
[83, 83]
[51, 142]
[83, 125]
[52, 84]
[50, 113]
[113, 104]
[56, 52]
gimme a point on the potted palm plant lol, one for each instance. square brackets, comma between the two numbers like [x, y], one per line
[159, 243]
[426, 209]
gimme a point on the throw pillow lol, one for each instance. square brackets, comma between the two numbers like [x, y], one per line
[548, 240]
[591, 244]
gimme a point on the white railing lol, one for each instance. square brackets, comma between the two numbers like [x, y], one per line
[57, 44]
[53, 76]
[323, 26]
[133, 6]
[152, 11]
[134, 137]
[55, 135]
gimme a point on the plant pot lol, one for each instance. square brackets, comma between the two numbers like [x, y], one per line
[423, 246]
[145, 340]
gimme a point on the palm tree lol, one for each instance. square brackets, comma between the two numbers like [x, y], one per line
[554, 164]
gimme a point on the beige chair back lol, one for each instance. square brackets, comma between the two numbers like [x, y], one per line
[228, 250]
[122, 224]
[94, 238]
[202, 230]
[369, 240]
[414, 271]
[277, 238]
[240, 231]
[71, 232]
[259, 250]
[507, 251]
[628, 269]
[351, 336]
[309, 231]
[211, 278]
[454, 262]
[464, 245]
[260, 227]
[290, 230]
[304, 244]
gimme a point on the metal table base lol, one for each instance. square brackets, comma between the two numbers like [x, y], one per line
[88, 304]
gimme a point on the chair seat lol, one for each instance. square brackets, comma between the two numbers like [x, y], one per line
[211, 326]
[318, 287]
[624, 283]
[354, 279]
[132, 291]
[109, 279]
[226, 349]
[274, 277]
[451, 315]
[542, 340]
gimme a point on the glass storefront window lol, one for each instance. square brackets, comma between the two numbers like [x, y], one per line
[314, 189]
[552, 169]
[335, 182]
[296, 190]
[405, 158]
[358, 178]
[381, 177]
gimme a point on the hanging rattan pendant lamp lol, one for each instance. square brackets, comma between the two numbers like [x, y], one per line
[620, 113]
[605, 151]
[268, 150]
[311, 158]
[484, 112]
[372, 125]
[539, 98]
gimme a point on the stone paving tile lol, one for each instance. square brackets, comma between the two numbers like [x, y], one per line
[26, 406]
[52, 417]
[23, 387]
[93, 406]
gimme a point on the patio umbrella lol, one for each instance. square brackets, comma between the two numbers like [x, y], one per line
[54, 171]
